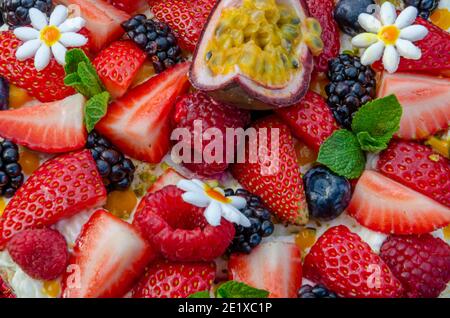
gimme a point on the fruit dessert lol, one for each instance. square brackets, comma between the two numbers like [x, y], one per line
[224, 149]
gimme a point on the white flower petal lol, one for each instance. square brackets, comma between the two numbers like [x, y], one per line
[28, 49]
[238, 202]
[406, 17]
[72, 39]
[388, 13]
[38, 19]
[26, 33]
[364, 40]
[369, 23]
[220, 190]
[408, 50]
[72, 25]
[414, 33]
[391, 59]
[213, 213]
[42, 57]
[373, 53]
[59, 52]
[231, 214]
[188, 185]
[58, 15]
[196, 198]
[201, 184]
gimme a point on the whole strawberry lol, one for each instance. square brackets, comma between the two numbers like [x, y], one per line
[271, 171]
[344, 263]
[200, 109]
[421, 263]
[175, 280]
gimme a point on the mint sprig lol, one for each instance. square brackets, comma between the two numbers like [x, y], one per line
[233, 289]
[373, 126]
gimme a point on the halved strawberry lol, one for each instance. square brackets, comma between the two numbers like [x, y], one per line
[52, 127]
[118, 64]
[59, 188]
[311, 120]
[273, 174]
[138, 123]
[384, 205]
[169, 177]
[273, 266]
[109, 255]
[102, 20]
[425, 101]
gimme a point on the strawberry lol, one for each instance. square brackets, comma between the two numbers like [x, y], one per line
[169, 177]
[59, 188]
[384, 205]
[275, 176]
[164, 279]
[186, 18]
[273, 266]
[5, 290]
[118, 64]
[128, 6]
[311, 120]
[418, 167]
[51, 127]
[109, 255]
[138, 123]
[344, 263]
[322, 10]
[102, 20]
[435, 49]
[425, 103]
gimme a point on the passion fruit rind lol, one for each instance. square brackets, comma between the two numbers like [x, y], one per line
[247, 90]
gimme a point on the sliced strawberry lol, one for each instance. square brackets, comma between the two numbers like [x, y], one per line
[169, 177]
[384, 205]
[435, 49]
[274, 174]
[129, 6]
[139, 122]
[417, 167]
[425, 101]
[59, 188]
[311, 120]
[118, 64]
[52, 127]
[346, 264]
[175, 280]
[273, 266]
[102, 20]
[109, 255]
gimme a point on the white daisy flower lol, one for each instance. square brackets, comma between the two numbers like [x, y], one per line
[49, 37]
[214, 200]
[390, 37]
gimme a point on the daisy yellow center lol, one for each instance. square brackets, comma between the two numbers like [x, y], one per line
[389, 34]
[50, 35]
[216, 195]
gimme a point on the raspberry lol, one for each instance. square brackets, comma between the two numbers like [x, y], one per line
[41, 253]
[212, 114]
[178, 229]
[421, 263]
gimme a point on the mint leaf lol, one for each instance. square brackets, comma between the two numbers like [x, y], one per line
[342, 154]
[75, 81]
[200, 294]
[95, 109]
[89, 79]
[73, 58]
[233, 289]
[376, 122]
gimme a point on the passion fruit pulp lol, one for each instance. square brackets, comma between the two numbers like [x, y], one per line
[256, 54]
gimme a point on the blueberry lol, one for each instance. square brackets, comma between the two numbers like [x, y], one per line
[103, 168]
[16, 182]
[4, 179]
[254, 240]
[13, 169]
[267, 228]
[326, 193]
[9, 192]
[10, 155]
[346, 14]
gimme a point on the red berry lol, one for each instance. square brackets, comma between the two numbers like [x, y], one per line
[5, 290]
[421, 263]
[175, 280]
[178, 229]
[128, 6]
[211, 114]
[41, 253]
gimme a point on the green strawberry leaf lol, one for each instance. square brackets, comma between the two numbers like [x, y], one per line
[233, 289]
[200, 294]
[342, 154]
[95, 109]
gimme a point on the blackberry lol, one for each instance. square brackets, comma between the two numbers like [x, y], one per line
[351, 86]
[4, 94]
[317, 291]
[425, 7]
[246, 239]
[15, 12]
[11, 176]
[116, 170]
[156, 39]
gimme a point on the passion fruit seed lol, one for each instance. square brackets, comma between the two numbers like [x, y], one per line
[305, 238]
[51, 288]
[29, 161]
[121, 203]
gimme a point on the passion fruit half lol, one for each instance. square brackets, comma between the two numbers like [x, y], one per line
[257, 54]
